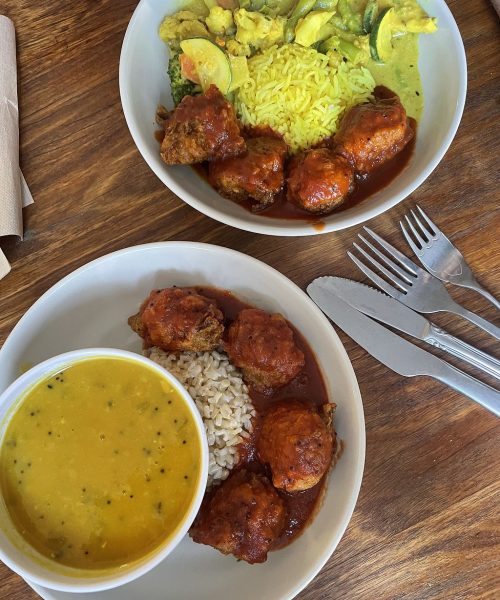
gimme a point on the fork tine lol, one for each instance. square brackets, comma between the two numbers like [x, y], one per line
[425, 231]
[401, 258]
[377, 280]
[434, 229]
[391, 276]
[404, 275]
[417, 235]
[408, 238]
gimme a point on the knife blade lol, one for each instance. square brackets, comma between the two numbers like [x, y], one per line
[401, 356]
[382, 307]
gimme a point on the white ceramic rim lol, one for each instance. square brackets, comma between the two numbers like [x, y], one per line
[294, 290]
[13, 394]
[343, 222]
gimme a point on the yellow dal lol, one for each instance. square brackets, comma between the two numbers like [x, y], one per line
[100, 463]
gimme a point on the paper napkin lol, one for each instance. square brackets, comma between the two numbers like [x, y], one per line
[14, 191]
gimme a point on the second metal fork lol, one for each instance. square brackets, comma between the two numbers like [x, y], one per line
[412, 286]
[439, 256]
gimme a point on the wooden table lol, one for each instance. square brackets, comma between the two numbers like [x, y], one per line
[426, 523]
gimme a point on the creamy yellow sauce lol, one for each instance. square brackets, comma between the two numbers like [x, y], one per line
[99, 463]
[401, 75]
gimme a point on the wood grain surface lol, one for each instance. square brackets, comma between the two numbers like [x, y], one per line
[426, 524]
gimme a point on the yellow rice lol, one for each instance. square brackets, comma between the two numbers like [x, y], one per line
[300, 93]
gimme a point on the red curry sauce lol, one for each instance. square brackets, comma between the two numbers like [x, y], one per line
[309, 387]
[364, 187]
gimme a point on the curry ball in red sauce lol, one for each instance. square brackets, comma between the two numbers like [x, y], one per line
[202, 128]
[243, 517]
[179, 319]
[296, 443]
[319, 180]
[257, 176]
[262, 345]
[373, 133]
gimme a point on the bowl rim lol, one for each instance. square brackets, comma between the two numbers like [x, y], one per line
[294, 291]
[293, 229]
[12, 397]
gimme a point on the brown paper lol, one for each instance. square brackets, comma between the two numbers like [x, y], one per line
[14, 192]
[4, 265]
[11, 218]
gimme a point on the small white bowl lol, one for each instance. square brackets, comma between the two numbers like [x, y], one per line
[17, 554]
[144, 84]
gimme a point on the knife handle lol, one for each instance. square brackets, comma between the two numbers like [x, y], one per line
[465, 384]
[444, 341]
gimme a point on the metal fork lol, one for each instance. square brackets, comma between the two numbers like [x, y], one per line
[439, 256]
[413, 286]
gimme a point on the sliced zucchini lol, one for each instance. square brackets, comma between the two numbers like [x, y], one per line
[381, 35]
[370, 15]
[211, 62]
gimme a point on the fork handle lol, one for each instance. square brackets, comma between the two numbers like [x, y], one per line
[476, 319]
[449, 343]
[477, 287]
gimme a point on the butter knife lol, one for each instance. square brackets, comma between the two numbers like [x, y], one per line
[401, 356]
[379, 306]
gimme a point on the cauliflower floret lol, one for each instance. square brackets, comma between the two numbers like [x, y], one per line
[184, 24]
[258, 30]
[238, 49]
[220, 21]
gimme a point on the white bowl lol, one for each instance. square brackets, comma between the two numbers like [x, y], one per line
[17, 554]
[144, 84]
[90, 307]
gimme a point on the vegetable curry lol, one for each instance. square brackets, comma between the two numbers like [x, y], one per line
[337, 81]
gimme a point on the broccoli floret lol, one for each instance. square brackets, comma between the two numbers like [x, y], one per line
[180, 86]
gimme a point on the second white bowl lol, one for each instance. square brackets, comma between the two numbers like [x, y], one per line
[144, 84]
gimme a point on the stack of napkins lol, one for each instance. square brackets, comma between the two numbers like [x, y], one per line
[14, 193]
